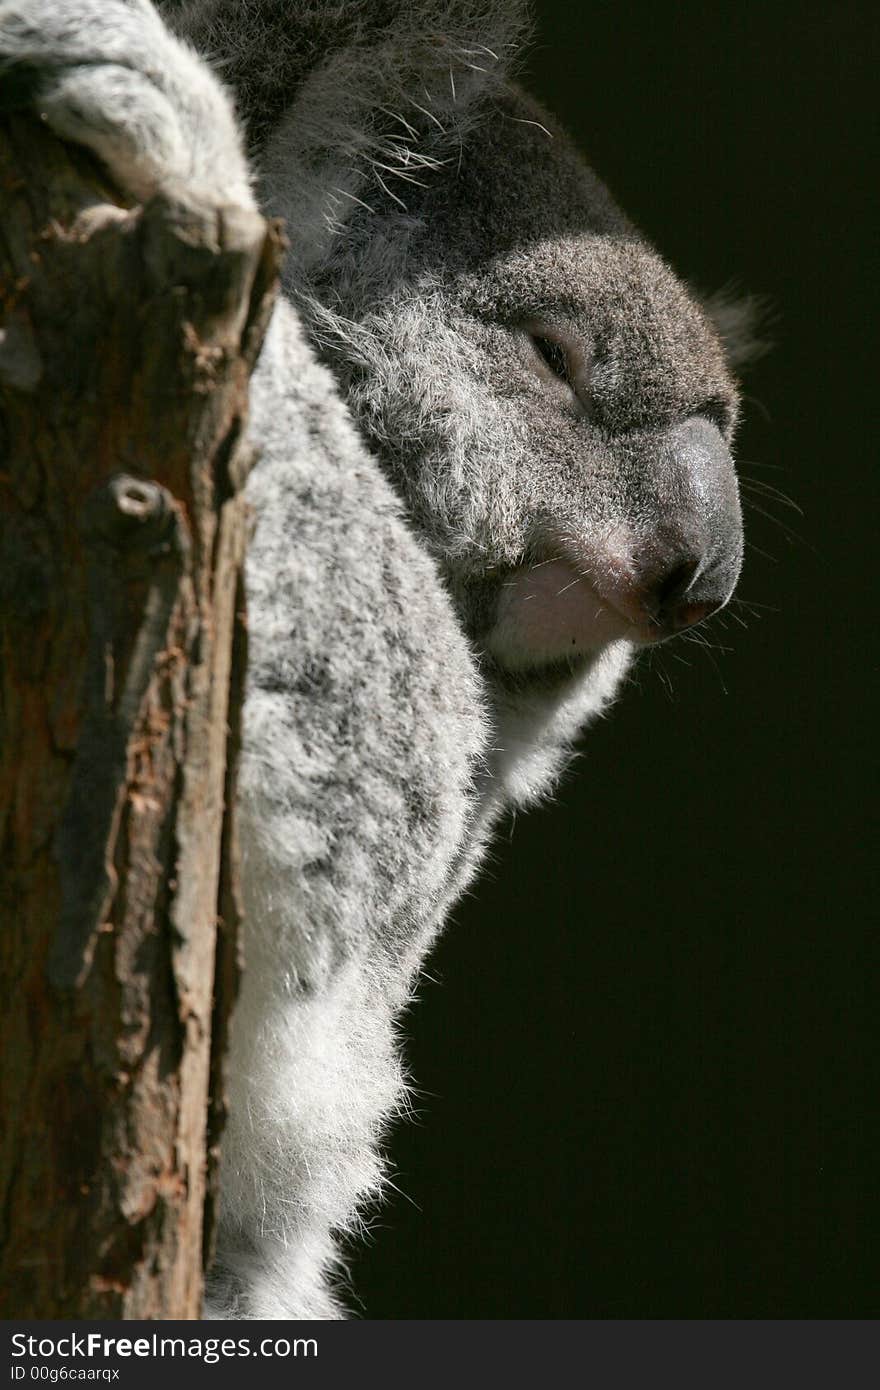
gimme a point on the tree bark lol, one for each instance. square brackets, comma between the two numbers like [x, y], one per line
[127, 335]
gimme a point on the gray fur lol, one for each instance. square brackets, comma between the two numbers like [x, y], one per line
[460, 543]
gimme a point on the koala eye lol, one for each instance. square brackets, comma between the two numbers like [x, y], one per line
[558, 357]
[554, 355]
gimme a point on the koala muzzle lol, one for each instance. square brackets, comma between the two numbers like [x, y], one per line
[671, 561]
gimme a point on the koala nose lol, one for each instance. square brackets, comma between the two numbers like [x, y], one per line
[696, 549]
[678, 600]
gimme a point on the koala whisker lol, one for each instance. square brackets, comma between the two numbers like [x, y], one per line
[655, 664]
[737, 618]
[398, 173]
[773, 493]
[709, 649]
[577, 580]
[344, 193]
[752, 604]
[396, 116]
[787, 531]
[430, 114]
[480, 48]
[520, 120]
[383, 185]
[539, 564]
[769, 467]
[765, 554]
[759, 405]
[700, 639]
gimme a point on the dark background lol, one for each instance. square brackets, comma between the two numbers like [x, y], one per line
[649, 1069]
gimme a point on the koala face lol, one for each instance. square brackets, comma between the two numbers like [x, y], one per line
[552, 404]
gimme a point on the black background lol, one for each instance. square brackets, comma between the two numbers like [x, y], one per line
[648, 1074]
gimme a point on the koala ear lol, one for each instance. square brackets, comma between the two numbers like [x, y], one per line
[741, 322]
[436, 54]
[384, 68]
[388, 101]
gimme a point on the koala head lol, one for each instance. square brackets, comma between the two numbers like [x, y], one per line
[550, 401]
[553, 407]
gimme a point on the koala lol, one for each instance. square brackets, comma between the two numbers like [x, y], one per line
[494, 435]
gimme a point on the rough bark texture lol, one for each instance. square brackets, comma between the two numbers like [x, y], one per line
[127, 335]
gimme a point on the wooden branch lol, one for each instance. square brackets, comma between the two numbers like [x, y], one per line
[127, 336]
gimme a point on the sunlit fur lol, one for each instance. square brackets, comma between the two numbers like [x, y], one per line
[413, 459]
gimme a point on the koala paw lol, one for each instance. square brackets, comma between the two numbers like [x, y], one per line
[107, 74]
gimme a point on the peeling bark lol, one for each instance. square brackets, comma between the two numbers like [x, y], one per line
[127, 336]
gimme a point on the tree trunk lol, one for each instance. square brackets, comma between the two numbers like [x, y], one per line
[127, 335]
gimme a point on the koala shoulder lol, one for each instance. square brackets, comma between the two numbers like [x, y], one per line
[365, 724]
